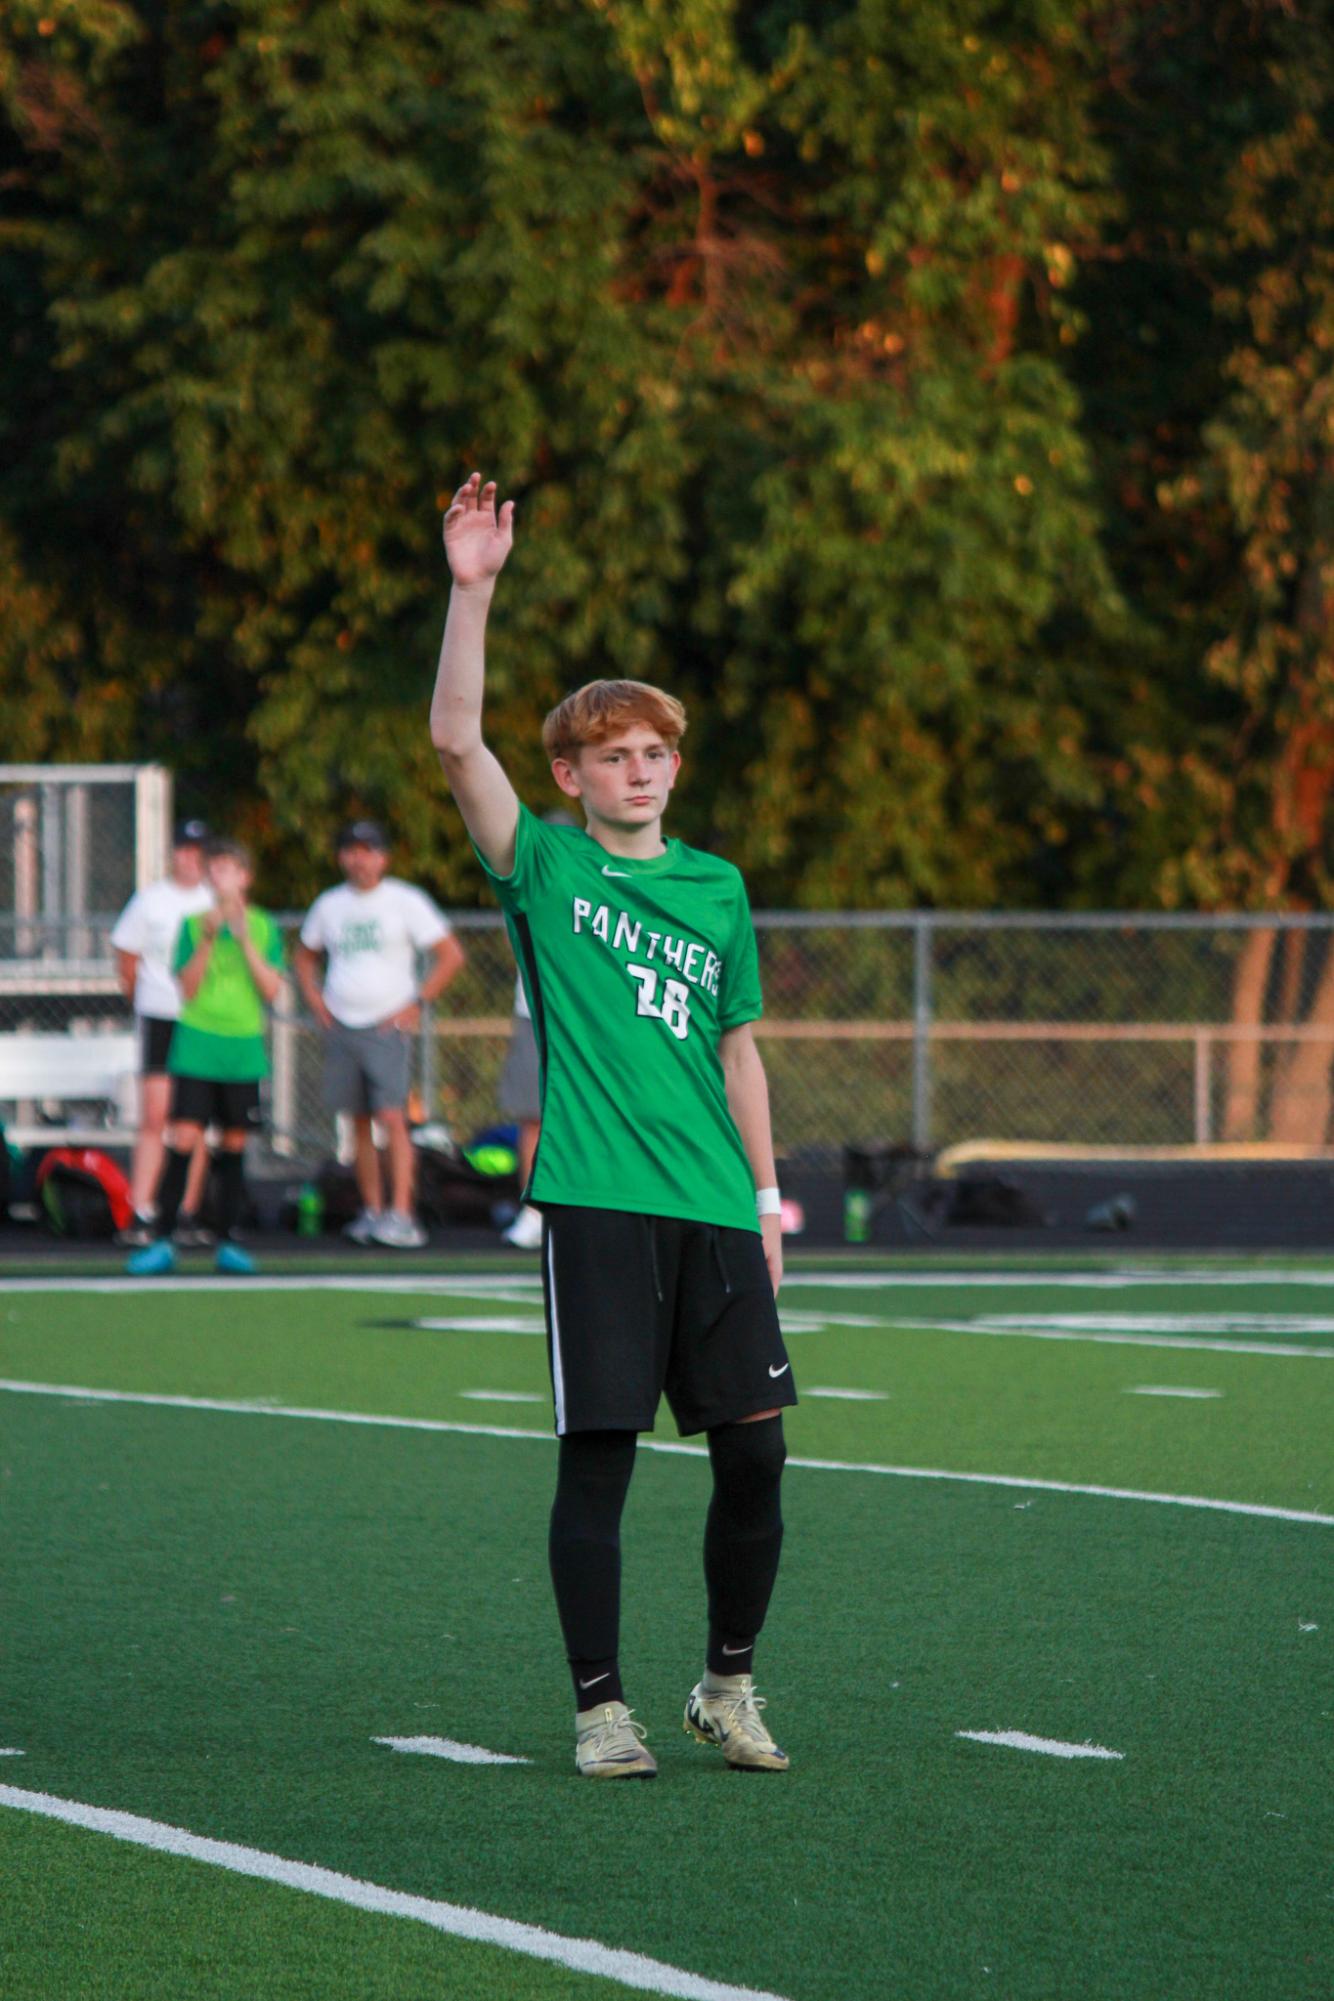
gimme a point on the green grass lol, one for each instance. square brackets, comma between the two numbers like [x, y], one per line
[210, 1615]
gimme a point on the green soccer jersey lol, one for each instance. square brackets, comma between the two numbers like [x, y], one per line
[220, 1033]
[633, 970]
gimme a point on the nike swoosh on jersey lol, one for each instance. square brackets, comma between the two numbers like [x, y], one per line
[781, 1372]
[617, 871]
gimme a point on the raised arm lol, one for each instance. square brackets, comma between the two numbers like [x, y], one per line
[477, 541]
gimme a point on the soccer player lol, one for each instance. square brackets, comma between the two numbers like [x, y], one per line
[229, 963]
[370, 930]
[144, 940]
[661, 1253]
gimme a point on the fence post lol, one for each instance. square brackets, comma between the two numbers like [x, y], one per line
[426, 1053]
[285, 1110]
[1204, 1044]
[921, 1033]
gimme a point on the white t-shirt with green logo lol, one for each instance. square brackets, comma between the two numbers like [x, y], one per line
[633, 970]
[147, 927]
[372, 938]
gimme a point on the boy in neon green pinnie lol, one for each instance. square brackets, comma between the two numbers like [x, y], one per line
[229, 962]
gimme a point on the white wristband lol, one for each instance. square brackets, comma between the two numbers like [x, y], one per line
[768, 1202]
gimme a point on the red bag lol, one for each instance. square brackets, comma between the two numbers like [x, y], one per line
[83, 1192]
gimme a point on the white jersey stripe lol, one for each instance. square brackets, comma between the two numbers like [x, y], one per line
[557, 1372]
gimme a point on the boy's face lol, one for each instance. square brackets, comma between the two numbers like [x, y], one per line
[363, 866]
[228, 876]
[625, 780]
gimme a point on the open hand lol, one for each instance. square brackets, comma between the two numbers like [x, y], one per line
[408, 1019]
[477, 540]
[771, 1235]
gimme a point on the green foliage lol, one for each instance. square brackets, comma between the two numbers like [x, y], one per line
[799, 333]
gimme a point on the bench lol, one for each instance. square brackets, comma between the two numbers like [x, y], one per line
[41, 1069]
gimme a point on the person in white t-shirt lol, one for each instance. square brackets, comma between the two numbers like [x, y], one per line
[520, 1098]
[367, 934]
[143, 940]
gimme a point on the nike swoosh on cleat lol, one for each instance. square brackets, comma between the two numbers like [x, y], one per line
[781, 1372]
[596, 1679]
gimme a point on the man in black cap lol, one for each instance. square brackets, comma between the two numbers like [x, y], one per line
[143, 940]
[366, 936]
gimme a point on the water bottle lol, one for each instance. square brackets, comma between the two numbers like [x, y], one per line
[856, 1215]
[309, 1210]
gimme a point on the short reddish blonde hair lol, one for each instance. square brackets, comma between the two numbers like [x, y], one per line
[604, 708]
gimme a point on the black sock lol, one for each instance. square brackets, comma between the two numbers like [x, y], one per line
[585, 1551]
[231, 1190]
[743, 1538]
[170, 1190]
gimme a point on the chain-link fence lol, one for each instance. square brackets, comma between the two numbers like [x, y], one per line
[1089, 1031]
[1121, 1030]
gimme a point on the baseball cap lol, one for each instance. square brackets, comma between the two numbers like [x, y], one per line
[364, 834]
[190, 834]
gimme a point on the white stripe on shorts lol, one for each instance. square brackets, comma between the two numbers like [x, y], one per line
[557, 1373]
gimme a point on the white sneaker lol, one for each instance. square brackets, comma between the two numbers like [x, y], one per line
[525, 1232]
[362, 1228]
[398, 1232]
[725, 1710]
[609, 1744]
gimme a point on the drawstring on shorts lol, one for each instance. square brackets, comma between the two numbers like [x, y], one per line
[653, 1257]
[715, 1236]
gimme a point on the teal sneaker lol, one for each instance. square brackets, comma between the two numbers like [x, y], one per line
[152, 1260]
[231, 1258]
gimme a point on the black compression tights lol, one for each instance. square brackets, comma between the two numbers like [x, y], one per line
[742, 1540]
[585, 1551]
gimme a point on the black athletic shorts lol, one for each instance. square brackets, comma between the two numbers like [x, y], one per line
[154, 1044]
[208, 1101]
[639, 1305]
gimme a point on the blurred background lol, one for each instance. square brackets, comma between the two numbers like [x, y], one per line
[939, 398]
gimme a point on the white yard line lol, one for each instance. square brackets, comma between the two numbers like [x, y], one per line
[1052, 1747]
[632, 1969]
[447, 1285]
[11, 1753]
[502, 1396]
[449, 1747]
[1169, 1390]
[481, 1323]
[846, 1396]
[1093, 1281]
[1031, 1331]
[243, 1408]
[435, 1424]
[518, 1289]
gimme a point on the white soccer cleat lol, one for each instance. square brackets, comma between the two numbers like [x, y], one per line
[728, 1715]
[609, 1744]
[398, 1232]
[525, 1232]
[361, 1230]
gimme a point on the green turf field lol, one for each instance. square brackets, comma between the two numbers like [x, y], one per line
[217, 1594]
